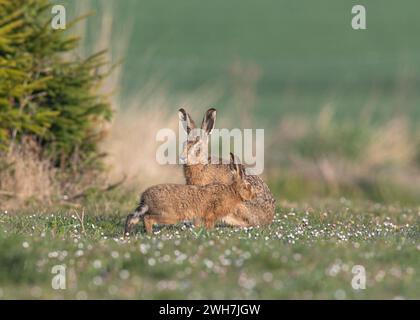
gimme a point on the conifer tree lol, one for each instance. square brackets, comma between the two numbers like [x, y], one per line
[47, 93]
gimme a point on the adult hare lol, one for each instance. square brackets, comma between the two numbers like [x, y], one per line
[173, 203]
[198, 171]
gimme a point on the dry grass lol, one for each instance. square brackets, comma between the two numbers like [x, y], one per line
[131, 144]
[28, 176]
[338, 155]
[392, 143]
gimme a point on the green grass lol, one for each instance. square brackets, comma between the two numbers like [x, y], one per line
[308, 252]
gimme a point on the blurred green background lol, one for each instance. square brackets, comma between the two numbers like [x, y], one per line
[340, 107]
[305, 52]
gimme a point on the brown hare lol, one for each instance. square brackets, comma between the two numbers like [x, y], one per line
[258, 211]
[173, 203]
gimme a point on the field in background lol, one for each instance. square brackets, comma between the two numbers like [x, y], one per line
[339, 107]
[307, 253]
[303, 54]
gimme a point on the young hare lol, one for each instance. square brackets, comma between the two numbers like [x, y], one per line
[199, 171]
[173, 203]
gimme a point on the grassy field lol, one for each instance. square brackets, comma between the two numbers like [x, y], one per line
[308, 252]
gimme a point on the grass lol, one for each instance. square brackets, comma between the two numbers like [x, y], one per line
[308, 252]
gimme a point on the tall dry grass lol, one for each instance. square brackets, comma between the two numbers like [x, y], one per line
[130, 143]
[327, 156]
[29, 176]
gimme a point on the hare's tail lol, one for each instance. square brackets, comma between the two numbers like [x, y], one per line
[140, 210]
[134, 218]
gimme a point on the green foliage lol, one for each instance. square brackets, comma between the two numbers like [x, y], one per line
[46, 92]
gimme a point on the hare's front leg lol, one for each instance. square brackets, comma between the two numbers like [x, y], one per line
[209, 221]
[197, 222]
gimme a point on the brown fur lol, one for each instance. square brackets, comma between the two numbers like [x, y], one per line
[173, 203]
[258, 211]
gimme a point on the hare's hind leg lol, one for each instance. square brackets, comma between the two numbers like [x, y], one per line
[161, 218]
[134, 218]
[149, 221]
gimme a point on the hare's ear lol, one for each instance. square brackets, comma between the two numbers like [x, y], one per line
[186, 120]
[209, 121]
[232, 160]
[235, 166]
